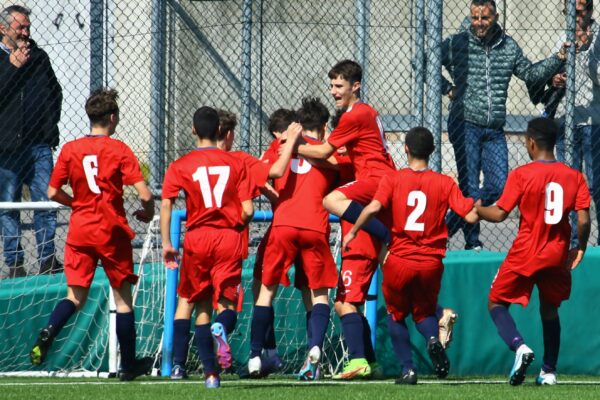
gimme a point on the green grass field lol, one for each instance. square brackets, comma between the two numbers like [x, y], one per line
[488, 388]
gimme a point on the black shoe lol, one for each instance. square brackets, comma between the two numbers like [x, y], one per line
[38, 353]
[17, 271]
[142, 367]
[407, 378]
[51, 265]
[441, 364]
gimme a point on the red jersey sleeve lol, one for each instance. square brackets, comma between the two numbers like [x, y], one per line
[60, 174]
[130, 167]
[259, 172]
[582, 201]
[270, 155]
[244, 184]
[346, 131]
[385, 191]
[171, 185]
[512, 192]
[459, 203]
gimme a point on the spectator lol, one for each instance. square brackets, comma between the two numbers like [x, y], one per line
[586, 135]
[29, 112]
[481, 62]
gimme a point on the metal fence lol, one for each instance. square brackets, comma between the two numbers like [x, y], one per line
[167, 57]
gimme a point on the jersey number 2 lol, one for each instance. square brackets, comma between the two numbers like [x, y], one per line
[201, 176]
[553, 205]
[416, 199]
[90, 167]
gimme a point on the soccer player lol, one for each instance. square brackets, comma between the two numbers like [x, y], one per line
[545, 191]
[417, 200]
[299, 230]
[97, 166]
[361, 132]
[257, 175]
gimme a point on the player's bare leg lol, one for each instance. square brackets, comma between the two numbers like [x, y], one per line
[75, 300]
[551, 329]
[353, 328]
[131, 367]
[336, 203]
[181, 337]
[262, 322]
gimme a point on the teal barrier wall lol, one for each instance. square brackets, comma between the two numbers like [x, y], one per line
[476, 350]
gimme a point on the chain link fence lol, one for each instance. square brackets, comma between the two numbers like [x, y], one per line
[168, 57]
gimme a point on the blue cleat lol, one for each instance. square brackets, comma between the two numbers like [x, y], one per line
[178, 373]
[523, 358]
[212, 381]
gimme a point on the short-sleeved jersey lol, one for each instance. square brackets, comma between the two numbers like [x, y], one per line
[418, 202]
[545, 193]
[360, 130]
[214, 182]
[96, 167]
[258, 172]
[301, 190]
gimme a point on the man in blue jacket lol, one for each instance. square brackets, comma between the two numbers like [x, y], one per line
[481, 61]
[30, 104]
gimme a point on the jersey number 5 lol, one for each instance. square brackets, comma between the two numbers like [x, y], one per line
[416, 199]
[553, 207]
[201, 176]
[90, 167]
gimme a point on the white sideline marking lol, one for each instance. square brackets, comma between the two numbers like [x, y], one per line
[278, 382]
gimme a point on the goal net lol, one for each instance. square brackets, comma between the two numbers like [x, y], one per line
[87, 345]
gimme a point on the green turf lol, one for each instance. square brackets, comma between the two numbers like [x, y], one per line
[487, 388]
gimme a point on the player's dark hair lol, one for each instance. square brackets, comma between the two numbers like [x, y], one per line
[419, 141]
[348, 70]
[313, 114]
[544, 132]
[206, 123]
[484, 2]
[589, 6]
[227, 122]
[281, 119]
[335, 118]
[100, 105]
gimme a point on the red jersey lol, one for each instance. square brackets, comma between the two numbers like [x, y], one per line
[418, 202]
[360, 130]
[301, 190]
[96, 168]
[545, 193]
[258, 172]
[214, 182]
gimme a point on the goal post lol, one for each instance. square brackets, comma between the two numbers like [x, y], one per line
[178, 217]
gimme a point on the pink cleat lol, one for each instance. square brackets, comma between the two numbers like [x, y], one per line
[223, 349]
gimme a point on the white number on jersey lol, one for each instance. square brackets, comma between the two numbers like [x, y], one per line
[90, 167]
[418, 199]
[347, 278]
[553, 207]
[201, 176]
[300, 166]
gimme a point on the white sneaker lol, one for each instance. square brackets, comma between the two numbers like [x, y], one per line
[446, 325]
[314, 355]
[523, 358]
[254, 366]
[546, 378]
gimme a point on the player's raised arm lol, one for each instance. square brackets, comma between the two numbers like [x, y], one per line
[169, 252]
[319, 151]
[365, 216]
[292, 134]
[146, 213]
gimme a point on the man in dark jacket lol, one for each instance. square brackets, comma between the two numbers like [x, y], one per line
[30, 103]
[481, 61]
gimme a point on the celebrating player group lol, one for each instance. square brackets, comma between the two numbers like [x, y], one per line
[391, 217]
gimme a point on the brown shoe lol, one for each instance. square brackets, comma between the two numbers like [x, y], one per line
[17, 271]
[51, 265]
[446, 325]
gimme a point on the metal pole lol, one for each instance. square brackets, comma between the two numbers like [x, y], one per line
[570, 89]
[419, 69]
[246, 74]
[96, 44]
[433, 113]
[157, 84]
[362, 37]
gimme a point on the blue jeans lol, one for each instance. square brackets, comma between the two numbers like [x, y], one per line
[586, 147]
[477, 149]
[31, 166]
